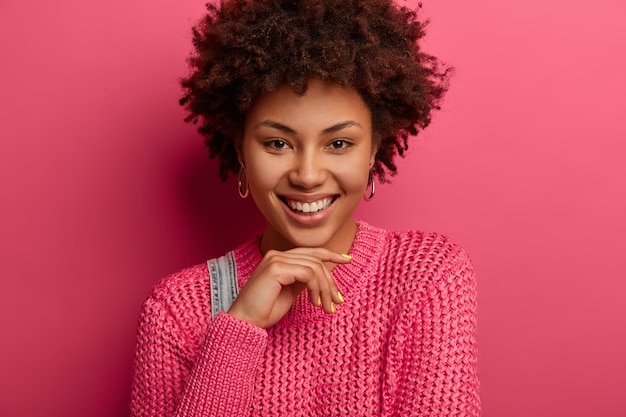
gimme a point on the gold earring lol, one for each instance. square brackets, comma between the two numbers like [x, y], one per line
[243, 179]
[370, 183]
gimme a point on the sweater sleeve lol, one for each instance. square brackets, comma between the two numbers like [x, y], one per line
[174, 378]
[432, 351]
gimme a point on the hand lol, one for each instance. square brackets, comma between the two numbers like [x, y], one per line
[280, 278]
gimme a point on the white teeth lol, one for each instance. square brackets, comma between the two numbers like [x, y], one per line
[313, 207]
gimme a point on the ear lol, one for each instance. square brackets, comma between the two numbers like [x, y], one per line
[373, 155]
[239, 149]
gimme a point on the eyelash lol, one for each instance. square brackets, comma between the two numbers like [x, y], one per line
[343, 144]
[272, 144]
[279, 144]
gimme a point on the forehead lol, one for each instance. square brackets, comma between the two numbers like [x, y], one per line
[322, 105]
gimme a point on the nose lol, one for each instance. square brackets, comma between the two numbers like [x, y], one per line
[308, 171]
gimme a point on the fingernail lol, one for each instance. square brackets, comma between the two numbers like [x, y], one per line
[332, 307]
[345, 255]
[340, 296]
[319, 301]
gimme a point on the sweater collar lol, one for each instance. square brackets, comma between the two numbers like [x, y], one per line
[366, 252]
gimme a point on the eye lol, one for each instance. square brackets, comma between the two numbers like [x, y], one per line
[339, 144]
[276, 144]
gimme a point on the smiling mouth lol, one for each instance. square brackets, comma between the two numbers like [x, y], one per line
[310, 207]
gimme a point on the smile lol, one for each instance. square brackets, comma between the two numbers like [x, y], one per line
[309, 207]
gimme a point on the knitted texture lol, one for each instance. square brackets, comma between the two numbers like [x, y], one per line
[402, 344]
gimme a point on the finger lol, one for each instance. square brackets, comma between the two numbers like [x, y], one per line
[335, 293]
[326, 291]
[323, 290]
[322, 254]
[313, 274]
[334, 296]
[328, 295]
[315, 297]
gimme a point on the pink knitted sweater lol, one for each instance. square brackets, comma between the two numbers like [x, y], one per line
[402, 344]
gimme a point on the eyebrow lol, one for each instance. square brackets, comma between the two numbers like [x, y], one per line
[340, 126]
[332, 129]
[276, 125]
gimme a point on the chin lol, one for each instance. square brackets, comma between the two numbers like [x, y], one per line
[309, 239]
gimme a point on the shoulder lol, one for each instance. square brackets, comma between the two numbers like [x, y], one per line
[416, 258]
[177, 310]
[182, 286]
[438, 272]
[185, 293]
[427, 251]
[414, 248]
[431, 273]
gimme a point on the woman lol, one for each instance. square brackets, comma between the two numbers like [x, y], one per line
[308, 102]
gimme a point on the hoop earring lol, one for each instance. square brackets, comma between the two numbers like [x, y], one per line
[243, 179]
[370, 182]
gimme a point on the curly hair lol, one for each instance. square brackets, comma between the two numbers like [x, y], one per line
[249, 47]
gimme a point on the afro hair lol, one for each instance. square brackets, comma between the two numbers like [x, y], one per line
[244, 48]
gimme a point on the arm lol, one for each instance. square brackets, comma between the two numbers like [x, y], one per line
[172, 378]
[432, 367]
[183, 370]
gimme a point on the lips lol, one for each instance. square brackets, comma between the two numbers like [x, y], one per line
[308, 206]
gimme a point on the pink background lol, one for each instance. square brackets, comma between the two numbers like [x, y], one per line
[105, 190]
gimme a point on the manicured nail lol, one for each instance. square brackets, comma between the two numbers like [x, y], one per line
[345, 255]
[319, 301]
[332, 307]
[340, 296]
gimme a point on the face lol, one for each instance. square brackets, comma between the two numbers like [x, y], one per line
[308, 159]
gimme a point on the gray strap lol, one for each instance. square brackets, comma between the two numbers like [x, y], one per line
[224, 287]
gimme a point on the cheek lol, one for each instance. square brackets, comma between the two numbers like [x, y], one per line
[261, 180]
[353, 177]
[263, 174]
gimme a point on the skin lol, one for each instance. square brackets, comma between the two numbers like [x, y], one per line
[303, 149]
